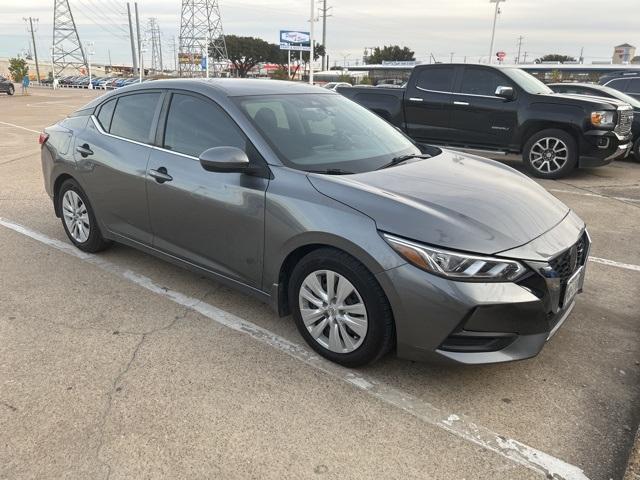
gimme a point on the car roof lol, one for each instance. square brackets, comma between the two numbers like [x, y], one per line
[219, 87]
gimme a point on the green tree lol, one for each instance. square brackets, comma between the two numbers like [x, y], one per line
[555, 57]
[18, 69]
[246, 52]
[390, 53]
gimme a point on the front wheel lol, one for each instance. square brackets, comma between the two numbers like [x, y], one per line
[636, 150]
[340, 309]
[550, 154]
[11, 90]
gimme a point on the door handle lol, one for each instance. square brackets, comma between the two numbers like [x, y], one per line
[84, 150]
[415, 99]
[464, 104]
[160, 175]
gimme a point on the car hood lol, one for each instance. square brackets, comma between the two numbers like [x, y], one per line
[587, 101]
[453, 200]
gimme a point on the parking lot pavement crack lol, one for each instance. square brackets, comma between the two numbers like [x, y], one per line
[116, 385]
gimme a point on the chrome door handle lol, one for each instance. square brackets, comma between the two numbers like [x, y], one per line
[160, 175]
[84, 150]
[464, 104]
[416, 99]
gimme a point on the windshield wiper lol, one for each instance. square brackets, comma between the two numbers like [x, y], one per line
[403, 158]
[331, 171]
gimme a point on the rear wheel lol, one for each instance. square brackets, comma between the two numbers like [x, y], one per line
[550, 153]
[340, 309]
[78, 219]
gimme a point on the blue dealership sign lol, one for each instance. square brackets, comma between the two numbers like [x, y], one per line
[295, 40]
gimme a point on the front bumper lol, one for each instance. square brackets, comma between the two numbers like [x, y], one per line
[476, 323]
[601, 147]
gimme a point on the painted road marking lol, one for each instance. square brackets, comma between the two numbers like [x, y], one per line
[458, 425]
[591, 194]
[18, 126]
[613, 263]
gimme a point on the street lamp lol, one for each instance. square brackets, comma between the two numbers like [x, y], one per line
[493, 30]
[90, 53]
[140, 61]
[312, 20]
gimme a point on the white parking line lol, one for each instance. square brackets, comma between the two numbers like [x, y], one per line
[458, 425]
[613, 263]
[18, 126]
[591, 194]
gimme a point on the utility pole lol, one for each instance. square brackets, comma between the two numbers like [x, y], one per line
[35, 50]
[312, 20]
[175, 54]
[138, 27]
[525, 58]
[324, 9]
[90, 53]
[451, 57]
[580, 59]
[520, 38]
[134, 56]
[493, 29]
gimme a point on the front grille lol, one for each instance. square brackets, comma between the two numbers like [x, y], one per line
[625, 119]
[570, 260]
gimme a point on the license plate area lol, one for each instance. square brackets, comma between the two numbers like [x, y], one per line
[574, 286]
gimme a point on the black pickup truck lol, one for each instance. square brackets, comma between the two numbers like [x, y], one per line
[503, 109]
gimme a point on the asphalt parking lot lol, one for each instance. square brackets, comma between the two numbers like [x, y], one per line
[120, 365]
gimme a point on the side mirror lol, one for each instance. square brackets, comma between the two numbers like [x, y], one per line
[505, 92]
[225, 159]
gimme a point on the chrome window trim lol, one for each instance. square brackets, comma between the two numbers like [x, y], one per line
[154, 147]
[477, 95]
[432, 91]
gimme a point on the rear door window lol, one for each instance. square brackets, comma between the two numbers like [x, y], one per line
[439, 79]
[480, 81]
[133, 116]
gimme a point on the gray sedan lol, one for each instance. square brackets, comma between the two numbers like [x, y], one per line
[313, 204]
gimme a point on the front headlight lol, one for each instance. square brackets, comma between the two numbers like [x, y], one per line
[455, 265]
[603, 118]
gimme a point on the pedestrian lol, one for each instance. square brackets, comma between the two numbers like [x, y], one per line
[25, 85]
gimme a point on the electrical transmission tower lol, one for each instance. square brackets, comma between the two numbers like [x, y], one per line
[153, 31]
[67, 49]
[200, 25]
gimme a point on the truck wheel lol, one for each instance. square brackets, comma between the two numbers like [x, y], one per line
[550, 153]
[11, 90]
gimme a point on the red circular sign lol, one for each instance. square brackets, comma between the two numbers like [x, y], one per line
[501, 55]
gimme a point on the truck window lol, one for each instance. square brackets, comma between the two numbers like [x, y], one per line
[633, 86]
[480, 81]
[439, 79]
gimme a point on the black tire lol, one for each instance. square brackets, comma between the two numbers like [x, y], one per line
[555, 135]
[11, 90]
[95, 241]
[635, 153]
[380, 335]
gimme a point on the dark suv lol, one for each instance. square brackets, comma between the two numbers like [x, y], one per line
[6, 86]
[627, 82]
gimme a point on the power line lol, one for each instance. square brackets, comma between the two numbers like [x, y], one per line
[100, 19]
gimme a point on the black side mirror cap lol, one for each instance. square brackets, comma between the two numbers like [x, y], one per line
[226, 160]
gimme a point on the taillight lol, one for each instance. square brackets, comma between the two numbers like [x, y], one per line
[43, 138]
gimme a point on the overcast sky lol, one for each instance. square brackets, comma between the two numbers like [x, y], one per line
[426, 26]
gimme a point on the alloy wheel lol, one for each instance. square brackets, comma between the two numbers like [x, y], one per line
[76, 216]
[333, 311]
[548, 155]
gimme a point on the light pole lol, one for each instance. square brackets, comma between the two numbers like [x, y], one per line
[140, 60]
[90, 53]
[312, 20]
[493, 30]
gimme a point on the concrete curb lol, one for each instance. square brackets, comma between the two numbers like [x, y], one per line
[633, 467]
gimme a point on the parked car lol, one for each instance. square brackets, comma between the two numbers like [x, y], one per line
[626, 82]
[6, 86]
[317, 206]
[504, 109]
[607, 92]
[334, 85]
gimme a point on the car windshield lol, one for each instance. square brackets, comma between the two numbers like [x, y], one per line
[320, 132]
[526, 81]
